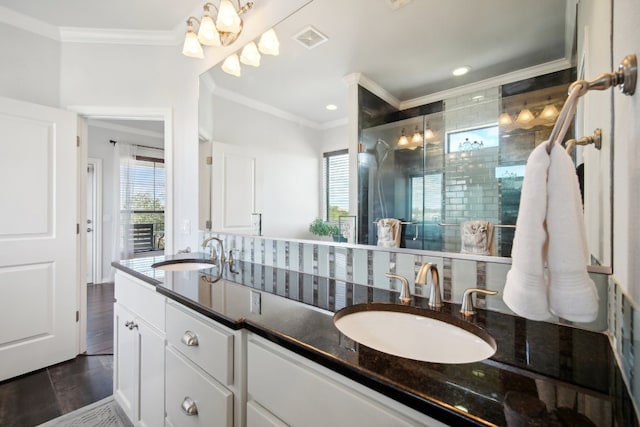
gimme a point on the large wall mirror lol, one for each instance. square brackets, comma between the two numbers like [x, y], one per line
[268, 137]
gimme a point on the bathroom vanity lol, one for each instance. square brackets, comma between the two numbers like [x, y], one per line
[259, 348]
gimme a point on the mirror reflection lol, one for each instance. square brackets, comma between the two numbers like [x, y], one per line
[307, 162]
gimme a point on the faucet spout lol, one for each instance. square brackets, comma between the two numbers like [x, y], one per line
[435, 295]
[405, 292]
[214, 252]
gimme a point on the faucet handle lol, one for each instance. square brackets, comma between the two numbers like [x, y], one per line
[405, 292]
[468, 308]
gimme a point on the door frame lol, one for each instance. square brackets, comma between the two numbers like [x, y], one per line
[97, 224]
[129, 113]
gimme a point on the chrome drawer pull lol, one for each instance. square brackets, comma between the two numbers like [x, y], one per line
[189, 407]
[190, 339]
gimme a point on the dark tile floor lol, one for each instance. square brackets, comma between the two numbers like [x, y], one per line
[37, 397]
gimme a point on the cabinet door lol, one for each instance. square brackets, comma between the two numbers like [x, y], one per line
[125, 361]
[151, 409]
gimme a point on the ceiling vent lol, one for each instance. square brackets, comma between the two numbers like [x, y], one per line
[310, 37]
[397, 4]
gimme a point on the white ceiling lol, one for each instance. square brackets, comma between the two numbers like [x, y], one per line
[410, 52]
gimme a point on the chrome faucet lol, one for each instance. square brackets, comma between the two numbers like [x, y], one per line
[435, 297]
[405, 292]
[468, 308]
[214, 252]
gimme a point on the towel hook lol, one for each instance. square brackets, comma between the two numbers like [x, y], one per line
[626, 77]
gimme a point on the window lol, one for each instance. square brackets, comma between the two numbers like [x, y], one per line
[142, 201]
[335, 173]
[426, 198]
[472, 139]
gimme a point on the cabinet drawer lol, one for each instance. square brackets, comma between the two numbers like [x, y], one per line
[277, 377]
[257, 416]
[211, 346]
[141, 298]
[189, 387]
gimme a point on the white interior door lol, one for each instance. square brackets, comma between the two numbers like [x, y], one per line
[38, 237]
[236, 187]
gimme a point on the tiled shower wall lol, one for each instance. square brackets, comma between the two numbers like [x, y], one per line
[624, 320]
[367, 265]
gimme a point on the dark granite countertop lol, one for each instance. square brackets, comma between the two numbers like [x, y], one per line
[571, 370]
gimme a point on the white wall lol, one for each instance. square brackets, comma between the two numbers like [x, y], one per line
[144, 77]
[30, 68]
[626, 145]
[291, 172]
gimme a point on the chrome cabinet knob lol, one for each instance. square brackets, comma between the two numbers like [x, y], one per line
[468, 308]
[189, 407]
[190, 339]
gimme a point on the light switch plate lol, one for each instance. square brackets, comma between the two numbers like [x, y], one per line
[255, 302]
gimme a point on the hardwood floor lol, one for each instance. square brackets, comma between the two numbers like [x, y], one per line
[39, 396]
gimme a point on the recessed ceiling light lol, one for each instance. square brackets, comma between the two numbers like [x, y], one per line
[331, 107]
[477, 98]
[460, 71]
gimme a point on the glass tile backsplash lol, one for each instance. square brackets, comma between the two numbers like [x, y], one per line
[366, 266]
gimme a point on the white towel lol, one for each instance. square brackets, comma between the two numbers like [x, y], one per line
[550, 231]
[572, 293]
[477, 238]
[389, 231]
[525, 291]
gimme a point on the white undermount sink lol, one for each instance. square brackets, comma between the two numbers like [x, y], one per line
[183, 265]
[415, 333]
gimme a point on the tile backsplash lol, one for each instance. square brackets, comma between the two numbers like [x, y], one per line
[368, 265]
[617, 316]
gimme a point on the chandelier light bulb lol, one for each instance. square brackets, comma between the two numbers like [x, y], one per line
[192, 47]
[505, 119]
[403, 140]
[525, 116]
[231, 65]
[269, 43]
[228, 19]
[207, 33]
[550, 112]
[250, 55]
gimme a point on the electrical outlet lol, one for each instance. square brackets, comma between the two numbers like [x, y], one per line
[255, 302]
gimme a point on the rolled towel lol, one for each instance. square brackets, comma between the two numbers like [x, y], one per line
[389, 231]
[477, 237]
[525, 290]
[572, 293]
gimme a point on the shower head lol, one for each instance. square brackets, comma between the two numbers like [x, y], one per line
[383, 142]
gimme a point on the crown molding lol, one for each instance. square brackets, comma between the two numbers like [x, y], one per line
[525, 73]
[27, 23]
[91, 35]
[375, 88]
[113, 36]
[265, 108]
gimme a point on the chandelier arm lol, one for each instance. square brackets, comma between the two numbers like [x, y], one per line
[208, 5]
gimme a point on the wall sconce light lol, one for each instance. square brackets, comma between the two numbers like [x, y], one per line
[403, 141]
[550, 112]
[231, 65]
[505, 119]
[269, 43]
[223, 32]
[250, 55]
[417, 137]
[525, 116]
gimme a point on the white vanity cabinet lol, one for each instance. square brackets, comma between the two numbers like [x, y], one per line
[138, 363]
[285, 389]
[203, 371]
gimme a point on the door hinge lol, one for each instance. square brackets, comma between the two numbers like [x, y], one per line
[77, 316]
[209, 160]
[207, 225]
[77, 228]
[77, 140]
